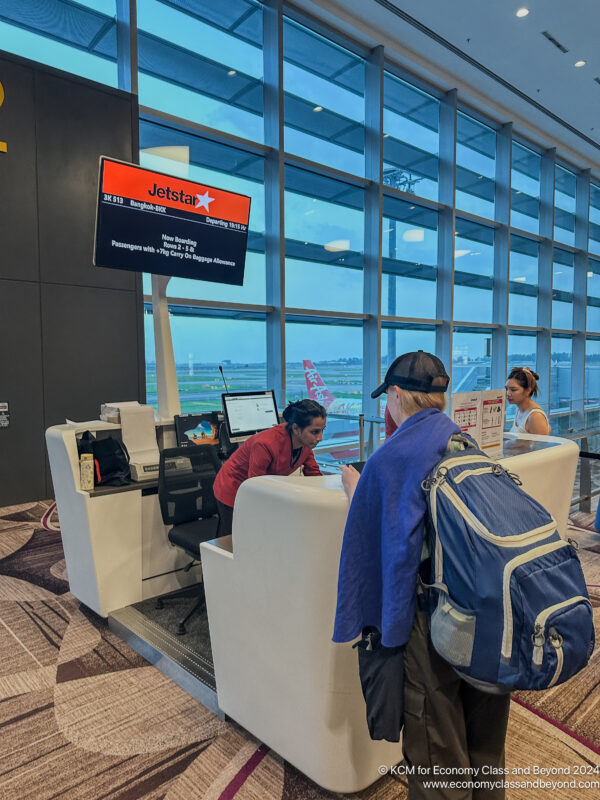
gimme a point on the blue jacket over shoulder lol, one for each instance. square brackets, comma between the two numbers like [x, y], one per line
[383, 538]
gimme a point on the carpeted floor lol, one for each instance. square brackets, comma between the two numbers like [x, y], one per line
[84, 717]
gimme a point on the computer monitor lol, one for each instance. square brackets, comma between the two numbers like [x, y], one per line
[247, 413]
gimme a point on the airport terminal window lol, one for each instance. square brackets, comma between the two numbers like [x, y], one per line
[594, 239]
[409, 259]
[525, 189]
[335, 353]
[471, 360]
[324, 235]
[404, 339]
[523, 281]
[473, 272]
[593, 296]
[562, 289]
[410, 138]
[324, 105]
[185, 155]
[564, 205]
[560, 374]
[200, 344]
[475, 166]
[203, 62]
[75, 37]
[521, 352]
[592, 372]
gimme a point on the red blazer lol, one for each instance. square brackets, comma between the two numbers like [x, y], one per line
[266, 453]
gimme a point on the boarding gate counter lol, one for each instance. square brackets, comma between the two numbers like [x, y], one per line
[271, 596]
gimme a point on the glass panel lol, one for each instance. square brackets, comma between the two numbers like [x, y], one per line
[395, 341]
[475, 166]
[560, 374]
[203, 61]
[562, 289]
[522, 352]
[336, 354]
[593, 296]
[564, 205]
[523, 285]
[409, 260]
[473, 272]
[525, 189]
[80, 38]
[592, 372]
[175, 152]
[471, 360]
[200, 344]
[324, 228]
[594, 244]
[410, 138]
[324, 105]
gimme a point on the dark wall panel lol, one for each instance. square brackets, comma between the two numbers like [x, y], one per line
[22, 457]
[89, 336]
[18, 202]
[76, 123]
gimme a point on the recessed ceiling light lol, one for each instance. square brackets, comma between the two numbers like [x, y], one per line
[337, 245]
[580, 63]
[522, 12]
[318, 108]
[521, 278]
[232, 72]
[414, 235]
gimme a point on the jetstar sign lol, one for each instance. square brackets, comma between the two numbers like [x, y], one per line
[135, 183]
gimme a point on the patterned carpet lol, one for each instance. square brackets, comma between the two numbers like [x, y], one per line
[82, 716]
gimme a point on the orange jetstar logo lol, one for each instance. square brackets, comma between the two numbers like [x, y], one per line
[136, 183]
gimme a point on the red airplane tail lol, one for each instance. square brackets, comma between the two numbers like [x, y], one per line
[315, 386]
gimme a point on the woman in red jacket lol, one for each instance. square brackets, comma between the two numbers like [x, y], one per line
[278, 451]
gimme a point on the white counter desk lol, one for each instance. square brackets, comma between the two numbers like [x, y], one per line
[271, 602]
[114, 539]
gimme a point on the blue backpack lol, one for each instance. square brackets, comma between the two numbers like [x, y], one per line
[507, 600]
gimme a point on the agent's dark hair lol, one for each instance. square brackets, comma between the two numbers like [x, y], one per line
[302, 413]
[525, 378]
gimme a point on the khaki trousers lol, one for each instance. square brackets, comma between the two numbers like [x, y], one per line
[449, 724]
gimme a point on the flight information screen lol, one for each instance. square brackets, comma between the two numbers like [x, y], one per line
[247, 413]
[148, 221]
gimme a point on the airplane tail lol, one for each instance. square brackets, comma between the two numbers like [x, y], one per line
[316, 388]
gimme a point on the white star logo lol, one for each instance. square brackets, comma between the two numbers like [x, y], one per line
[204, 201]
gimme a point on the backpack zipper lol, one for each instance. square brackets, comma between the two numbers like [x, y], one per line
[540, 625]
[556, 641]
[518, 540]
[509, 568]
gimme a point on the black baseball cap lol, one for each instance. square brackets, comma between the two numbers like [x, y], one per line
[416, 372]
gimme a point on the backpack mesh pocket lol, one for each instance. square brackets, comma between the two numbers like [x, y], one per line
[453, 632]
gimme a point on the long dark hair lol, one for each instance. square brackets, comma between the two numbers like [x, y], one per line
[526, 378]
[302, 412]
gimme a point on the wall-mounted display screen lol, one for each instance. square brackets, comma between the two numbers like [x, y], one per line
[247, 413]
[148, 221]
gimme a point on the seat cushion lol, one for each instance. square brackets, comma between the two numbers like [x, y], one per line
[190, 535]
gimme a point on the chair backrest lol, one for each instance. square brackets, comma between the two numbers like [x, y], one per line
[185, 483]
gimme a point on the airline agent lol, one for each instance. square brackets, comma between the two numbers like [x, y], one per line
[281, 450]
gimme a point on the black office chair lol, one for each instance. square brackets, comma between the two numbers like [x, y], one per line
[187, 503]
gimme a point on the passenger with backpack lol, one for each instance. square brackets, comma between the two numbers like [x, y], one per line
[503, 600]
[447, 722]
